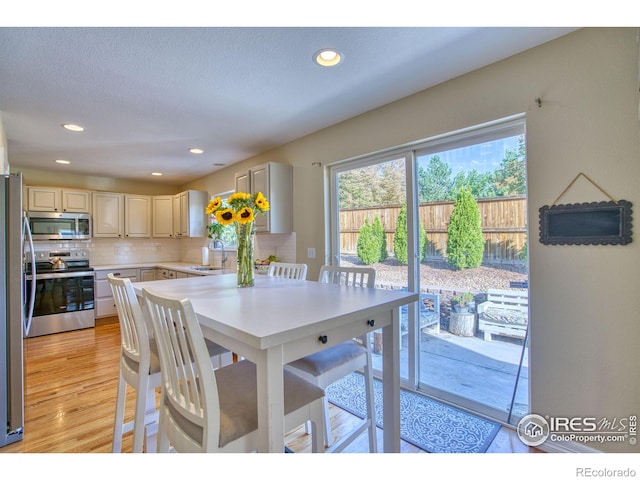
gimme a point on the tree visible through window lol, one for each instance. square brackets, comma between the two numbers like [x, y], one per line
[436, 181]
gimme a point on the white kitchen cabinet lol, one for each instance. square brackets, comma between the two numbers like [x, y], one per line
[166, 274]
[147, 274]
[49, 199]
[116, 215]
[189, 219]
[137, 216]
[162, 216]
[108, 215]
[105, 306]
[275, 181]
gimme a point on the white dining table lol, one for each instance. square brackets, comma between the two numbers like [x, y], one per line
[280, 320]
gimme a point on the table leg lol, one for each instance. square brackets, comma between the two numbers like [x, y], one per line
[269, 369]
[391, 384]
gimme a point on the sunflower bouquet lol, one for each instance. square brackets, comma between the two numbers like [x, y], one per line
[240, 209]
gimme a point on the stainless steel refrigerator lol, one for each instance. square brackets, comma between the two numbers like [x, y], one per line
[14, 311]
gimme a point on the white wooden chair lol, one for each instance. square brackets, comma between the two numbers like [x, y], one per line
[327, 366]
[207, 410]
[139, 368]
[295, 271]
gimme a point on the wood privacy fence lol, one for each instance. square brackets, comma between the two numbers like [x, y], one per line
[504, 225]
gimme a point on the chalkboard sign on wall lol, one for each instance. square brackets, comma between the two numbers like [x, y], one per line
[598, 223]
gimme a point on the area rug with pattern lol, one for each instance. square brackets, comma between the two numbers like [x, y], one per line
[425, 423]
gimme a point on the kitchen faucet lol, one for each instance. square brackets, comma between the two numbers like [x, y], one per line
[219, 243]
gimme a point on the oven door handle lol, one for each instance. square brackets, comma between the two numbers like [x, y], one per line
[48, 276]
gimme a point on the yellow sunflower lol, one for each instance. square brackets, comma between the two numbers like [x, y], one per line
[213, 205]
[261, 202]
[226, 216]
[242, 196]
[245, 215]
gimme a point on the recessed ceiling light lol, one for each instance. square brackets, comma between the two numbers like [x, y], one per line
[156, 174]
[197, 151]
[63, 162]
[327, 57]
[72, 127]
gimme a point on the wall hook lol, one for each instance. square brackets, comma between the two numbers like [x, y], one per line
[316, 164]
[539, 102]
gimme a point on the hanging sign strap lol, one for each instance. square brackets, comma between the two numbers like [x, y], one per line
[574, 181]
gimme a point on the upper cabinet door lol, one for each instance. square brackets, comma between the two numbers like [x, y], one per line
[162, 216]
[242, 182]
[76, 201]
[260, 183]
[43, 199]
[274, 180]
[137, 216]
[108, 215]
[189, 217]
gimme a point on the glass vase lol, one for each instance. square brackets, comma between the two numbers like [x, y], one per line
[245, 233]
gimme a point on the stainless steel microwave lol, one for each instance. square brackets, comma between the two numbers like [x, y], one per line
[60, 226]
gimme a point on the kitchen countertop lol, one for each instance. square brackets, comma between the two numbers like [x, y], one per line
[177, 266]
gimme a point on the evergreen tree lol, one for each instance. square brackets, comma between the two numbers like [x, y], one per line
[368, 246]
[481, 184]
[465, 243]
[400, 237]
[511, 177]
[434, 182]
[378, 232]
[400, 245]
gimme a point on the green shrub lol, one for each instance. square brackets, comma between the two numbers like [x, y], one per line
[400, 248]
[524, 253]
[465, 243]
[378, 231]
[368, 246]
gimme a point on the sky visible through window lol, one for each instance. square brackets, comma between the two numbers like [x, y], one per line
[482, 157]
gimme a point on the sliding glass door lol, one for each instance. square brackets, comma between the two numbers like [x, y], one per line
[397, 212]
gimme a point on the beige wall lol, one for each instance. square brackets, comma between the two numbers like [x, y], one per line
[585, 322]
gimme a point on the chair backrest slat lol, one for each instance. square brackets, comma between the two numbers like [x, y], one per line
[187, 375]
[295, 271]
[353, 276]
[133, 328]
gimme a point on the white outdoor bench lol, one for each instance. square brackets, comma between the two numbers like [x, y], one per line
[506, 312]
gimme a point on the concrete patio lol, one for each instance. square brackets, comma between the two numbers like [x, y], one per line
[472, 368]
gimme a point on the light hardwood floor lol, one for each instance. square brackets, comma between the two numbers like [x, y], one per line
[70, 392]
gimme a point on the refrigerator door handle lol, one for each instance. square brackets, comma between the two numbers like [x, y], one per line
[32, 297]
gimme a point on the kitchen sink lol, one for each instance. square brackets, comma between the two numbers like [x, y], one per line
[204, 268]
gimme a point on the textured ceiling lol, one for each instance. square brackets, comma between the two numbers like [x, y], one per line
[146, 95]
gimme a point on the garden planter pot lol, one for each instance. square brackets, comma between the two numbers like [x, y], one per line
[462, 324]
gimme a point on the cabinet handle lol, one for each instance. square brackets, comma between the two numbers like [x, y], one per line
[116, 274]
[371, 322]
[323, 339]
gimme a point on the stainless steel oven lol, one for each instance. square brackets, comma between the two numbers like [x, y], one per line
[64, 291]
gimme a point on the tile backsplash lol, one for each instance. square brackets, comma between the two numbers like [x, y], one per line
[107, 251]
